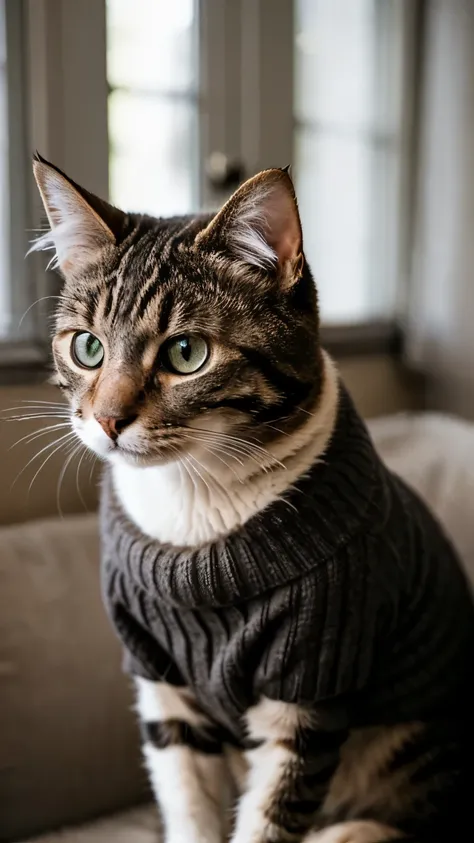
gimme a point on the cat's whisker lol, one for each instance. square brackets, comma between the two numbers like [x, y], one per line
[37, 408]
[26, 411]
[218, 454]
[55, 451]
[187, 465]
[277, 429]
[40, 401]
[94, 459]
[42, 298]
[209, 441]
[30, 437]
[246, 450]
[58, 442]
[228, 437]
[193, 463]
[237, 454]
[78, 469]
[217, 485]
[34, 417]
[241, 443]
[70, 454]
[302, 410]
[215, 452]
[214, 449]
[233, 451]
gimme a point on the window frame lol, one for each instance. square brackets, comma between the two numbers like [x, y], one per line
[268, 138]
[45, 84]
[19, 350]
[49, 80]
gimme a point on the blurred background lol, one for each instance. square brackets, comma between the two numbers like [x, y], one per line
[165, 106]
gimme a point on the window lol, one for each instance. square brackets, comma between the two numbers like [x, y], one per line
[349, 150]
[53, 101]
[152, 68]
[179, 101]
[19, 325]
[4, 190]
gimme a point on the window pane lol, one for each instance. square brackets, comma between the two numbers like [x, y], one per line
[151, 46]
[153, 105]
[348, 150]
[334, 200]
[153, 153]
[346, 200]
[4, 219]
[334, 57]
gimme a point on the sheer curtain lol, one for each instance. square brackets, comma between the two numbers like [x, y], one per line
[441, 307]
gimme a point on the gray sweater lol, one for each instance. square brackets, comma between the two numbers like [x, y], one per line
[351, 594]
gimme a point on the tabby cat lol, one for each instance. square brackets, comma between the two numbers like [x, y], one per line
[298, 627]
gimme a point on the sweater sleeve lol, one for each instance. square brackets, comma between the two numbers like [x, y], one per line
[332, 624]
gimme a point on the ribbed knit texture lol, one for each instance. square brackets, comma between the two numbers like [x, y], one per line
[346, 589]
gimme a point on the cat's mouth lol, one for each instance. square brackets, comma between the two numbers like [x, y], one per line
[132, 447]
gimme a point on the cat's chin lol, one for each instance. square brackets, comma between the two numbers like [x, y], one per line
[121, 456]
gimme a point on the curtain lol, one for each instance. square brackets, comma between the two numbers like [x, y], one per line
[440, 335]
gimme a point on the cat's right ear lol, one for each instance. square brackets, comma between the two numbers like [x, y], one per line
[260, 227]
[81, 223]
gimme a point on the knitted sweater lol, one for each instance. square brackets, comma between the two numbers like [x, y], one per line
[346, 590]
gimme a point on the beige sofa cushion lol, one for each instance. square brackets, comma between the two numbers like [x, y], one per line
[435, 454]
[140, 825]
[68, 739]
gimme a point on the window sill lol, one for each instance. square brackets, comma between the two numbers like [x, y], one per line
[364, 338]
[23, 362]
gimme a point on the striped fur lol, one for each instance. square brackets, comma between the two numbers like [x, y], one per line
[183, 752]
[209, 450]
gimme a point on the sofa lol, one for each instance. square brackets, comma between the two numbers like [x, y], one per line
[70, 768]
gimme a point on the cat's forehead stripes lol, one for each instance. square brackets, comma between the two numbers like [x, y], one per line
[120, 294]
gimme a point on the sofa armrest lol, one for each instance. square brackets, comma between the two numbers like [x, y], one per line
[69, 744]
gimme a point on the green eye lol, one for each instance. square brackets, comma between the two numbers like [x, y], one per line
[185, 354]
[86, 350]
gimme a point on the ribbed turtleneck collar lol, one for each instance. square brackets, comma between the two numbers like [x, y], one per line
[289, 538]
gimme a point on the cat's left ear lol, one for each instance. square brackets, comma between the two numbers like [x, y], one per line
[82, 225]
[260, 226]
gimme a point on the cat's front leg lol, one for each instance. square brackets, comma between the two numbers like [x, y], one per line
[289, 773]
[184, 756]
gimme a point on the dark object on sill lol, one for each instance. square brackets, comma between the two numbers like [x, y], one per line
[24, 363]
[364, 338]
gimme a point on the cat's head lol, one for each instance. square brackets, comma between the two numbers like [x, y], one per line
[174, 331]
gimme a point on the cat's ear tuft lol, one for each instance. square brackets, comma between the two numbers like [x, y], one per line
[81, 225]
[260, 225]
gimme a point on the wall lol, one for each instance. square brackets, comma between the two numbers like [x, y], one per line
[441, 335]
[378, 384]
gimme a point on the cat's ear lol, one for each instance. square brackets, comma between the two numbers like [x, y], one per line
[81, 223]
[260, 225]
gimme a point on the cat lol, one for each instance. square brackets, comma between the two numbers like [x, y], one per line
[298, 627]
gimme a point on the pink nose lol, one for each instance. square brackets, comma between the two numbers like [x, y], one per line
[113, 426]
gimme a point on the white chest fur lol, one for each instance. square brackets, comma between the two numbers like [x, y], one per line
[198, 500]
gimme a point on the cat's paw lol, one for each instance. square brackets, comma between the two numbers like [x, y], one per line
[354, 832]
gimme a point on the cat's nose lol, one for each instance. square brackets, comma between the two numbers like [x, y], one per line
[113, 426]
